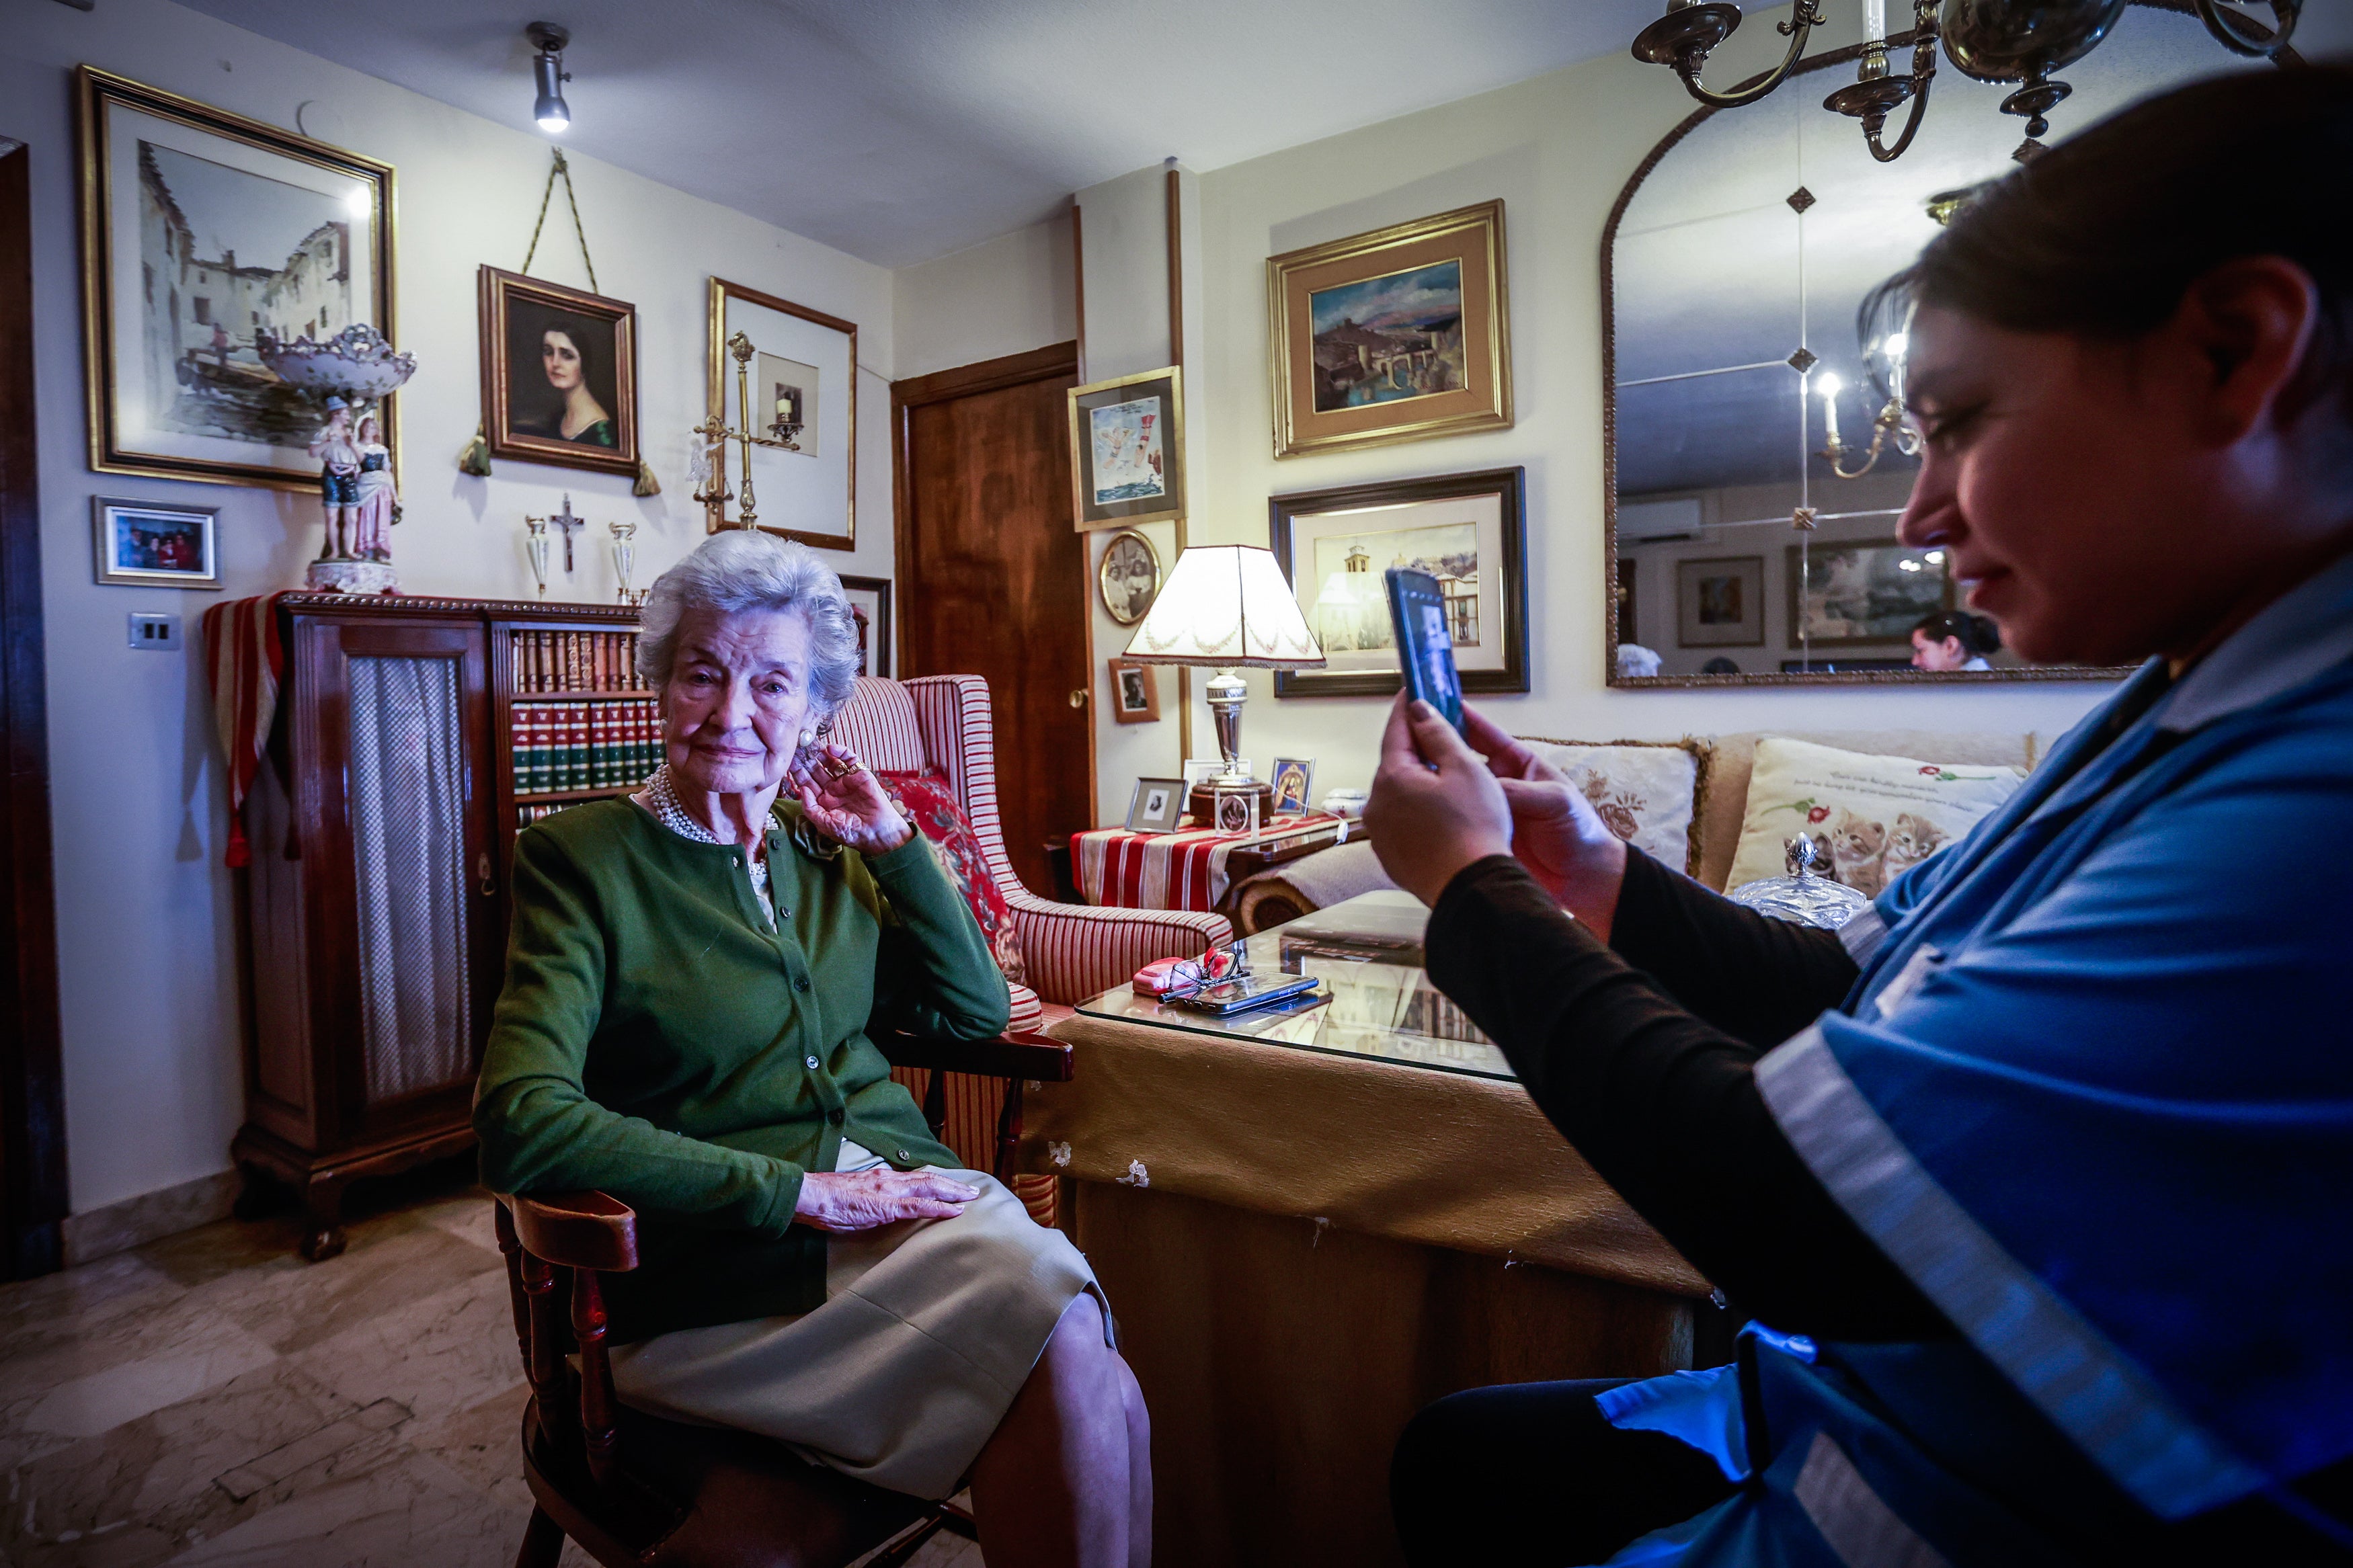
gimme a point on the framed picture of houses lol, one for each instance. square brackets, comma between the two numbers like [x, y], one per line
[207, 238]
[1468, 530]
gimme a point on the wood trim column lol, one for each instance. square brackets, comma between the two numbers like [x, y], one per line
[32, 1091]
[1177, 357]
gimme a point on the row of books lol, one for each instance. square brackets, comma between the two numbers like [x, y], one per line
[585, 745]
[527, 815]
[574, 661]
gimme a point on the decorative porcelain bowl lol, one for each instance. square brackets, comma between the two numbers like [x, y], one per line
[355, 363]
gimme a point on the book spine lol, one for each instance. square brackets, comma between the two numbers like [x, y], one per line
[600, 746]
[577, 717]
[543, 761]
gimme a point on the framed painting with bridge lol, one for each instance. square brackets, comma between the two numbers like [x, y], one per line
[207, 241]
[1400, 334]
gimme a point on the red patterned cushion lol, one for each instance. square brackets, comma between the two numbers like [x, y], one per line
[930, 800]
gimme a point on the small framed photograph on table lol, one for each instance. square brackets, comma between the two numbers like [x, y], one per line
[1157, 806]
[1135, 692]
[1294, 782]
[1238, 812]
[134, 545]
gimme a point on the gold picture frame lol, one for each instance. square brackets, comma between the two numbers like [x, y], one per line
[801, 486]
[522, 408]
[1127, 578]
[150, 356]
[1399, 334]
[1127, 450]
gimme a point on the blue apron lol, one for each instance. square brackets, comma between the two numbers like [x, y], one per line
[2092, 1093]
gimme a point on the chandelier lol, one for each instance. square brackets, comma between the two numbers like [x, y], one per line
[2021, 41]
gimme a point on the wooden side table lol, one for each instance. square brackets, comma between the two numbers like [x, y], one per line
[1311, 1225]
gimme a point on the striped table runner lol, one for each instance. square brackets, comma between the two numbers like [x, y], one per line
[1185, 870]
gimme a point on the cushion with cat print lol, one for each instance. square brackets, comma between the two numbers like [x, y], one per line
[1872, 818]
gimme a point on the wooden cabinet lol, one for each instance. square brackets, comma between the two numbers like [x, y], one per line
[382, 827]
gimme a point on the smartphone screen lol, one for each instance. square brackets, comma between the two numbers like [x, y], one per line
[1425, 647]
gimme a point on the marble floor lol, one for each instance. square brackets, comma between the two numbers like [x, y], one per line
[211, 1399]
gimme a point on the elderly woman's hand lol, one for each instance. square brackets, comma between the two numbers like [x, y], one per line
[1435, 808]
[842, 799]
[840, 1202]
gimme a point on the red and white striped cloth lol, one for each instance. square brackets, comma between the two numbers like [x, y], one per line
[1162, 871]
[244, 657]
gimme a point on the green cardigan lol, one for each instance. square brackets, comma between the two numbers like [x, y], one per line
[656, 1040]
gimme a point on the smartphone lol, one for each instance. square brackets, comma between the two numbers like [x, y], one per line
[1425, 648]
[1243, 992]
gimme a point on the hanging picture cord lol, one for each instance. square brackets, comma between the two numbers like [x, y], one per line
[476, 459]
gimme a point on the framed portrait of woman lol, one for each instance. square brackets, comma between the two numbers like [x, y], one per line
[559, 374]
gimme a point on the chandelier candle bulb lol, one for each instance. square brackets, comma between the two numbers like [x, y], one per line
[1830, 387]
[1874, 21]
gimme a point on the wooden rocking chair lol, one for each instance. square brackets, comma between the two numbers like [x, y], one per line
[638, 1491]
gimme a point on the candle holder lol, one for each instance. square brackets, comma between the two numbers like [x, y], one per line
[536, 545]
[625, 560]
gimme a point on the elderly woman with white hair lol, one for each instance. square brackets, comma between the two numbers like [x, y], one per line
[690, 976]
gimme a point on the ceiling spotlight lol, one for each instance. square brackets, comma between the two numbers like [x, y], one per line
[548, 73]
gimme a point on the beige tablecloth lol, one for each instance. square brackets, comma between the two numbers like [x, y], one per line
[1302, 1250]
[1405, 1153]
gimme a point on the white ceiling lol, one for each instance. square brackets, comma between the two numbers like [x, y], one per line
[902, 130]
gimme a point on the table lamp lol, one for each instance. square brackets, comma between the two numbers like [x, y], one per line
[1227, 607]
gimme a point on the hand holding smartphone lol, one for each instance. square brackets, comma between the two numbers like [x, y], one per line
[1425, 646]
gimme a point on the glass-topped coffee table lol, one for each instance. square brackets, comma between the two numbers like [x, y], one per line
[1375, 1000]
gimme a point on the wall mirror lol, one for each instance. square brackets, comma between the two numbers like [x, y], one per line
[1733, 267]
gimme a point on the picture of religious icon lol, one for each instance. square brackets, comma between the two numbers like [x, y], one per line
[1128, 576]
[1294, 780]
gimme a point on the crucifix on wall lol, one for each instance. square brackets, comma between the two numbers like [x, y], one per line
[569, 524]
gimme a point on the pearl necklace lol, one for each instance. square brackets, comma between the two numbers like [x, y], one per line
[662, 797]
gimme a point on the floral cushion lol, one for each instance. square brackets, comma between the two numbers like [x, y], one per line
[1645, 791]
[930, 800]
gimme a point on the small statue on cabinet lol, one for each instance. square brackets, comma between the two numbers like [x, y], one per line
[358, 501]
[339, 479]
[379, 506]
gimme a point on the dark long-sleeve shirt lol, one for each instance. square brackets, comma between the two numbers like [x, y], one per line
[1642, 1052]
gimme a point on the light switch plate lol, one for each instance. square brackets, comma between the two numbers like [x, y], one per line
[154, 633]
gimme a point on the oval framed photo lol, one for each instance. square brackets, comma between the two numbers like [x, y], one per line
[1128, 576]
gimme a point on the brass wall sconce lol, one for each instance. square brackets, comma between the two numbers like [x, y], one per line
[707, 465]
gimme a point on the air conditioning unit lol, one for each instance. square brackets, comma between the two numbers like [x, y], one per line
[1650, 521]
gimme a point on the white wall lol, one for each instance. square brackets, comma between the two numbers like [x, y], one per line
[1002, 297]
[145, 915]
[1557, 149]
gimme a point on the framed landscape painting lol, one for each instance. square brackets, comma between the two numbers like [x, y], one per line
[1127, 450]
[1400, 334]
[1860, 595]
[1468, 530]
[1718, 602]
[207, 239]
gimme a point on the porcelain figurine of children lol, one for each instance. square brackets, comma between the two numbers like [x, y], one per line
[339, 481]
[379, 502]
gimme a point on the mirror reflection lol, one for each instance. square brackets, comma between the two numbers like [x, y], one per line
[1747, 396]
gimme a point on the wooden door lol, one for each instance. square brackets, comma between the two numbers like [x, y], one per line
[992, 578]
[32, 1098]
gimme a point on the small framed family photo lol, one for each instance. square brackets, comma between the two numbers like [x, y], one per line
[137, 546]
[1135, 692]
[1157, 806]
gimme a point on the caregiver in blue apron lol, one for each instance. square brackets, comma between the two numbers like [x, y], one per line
[2036, 1179]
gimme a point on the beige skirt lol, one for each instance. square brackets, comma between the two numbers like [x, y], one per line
[928, 1330]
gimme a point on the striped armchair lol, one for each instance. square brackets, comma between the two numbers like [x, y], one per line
[1072, 950]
